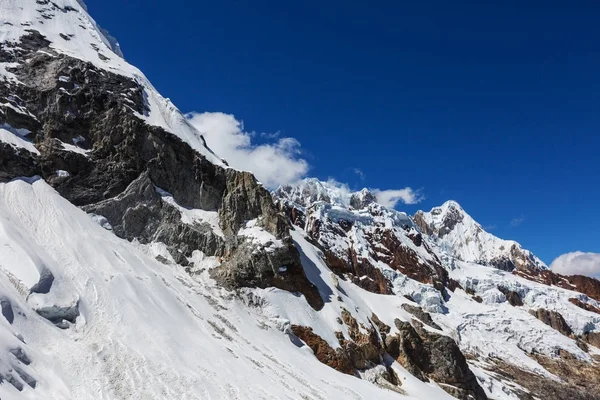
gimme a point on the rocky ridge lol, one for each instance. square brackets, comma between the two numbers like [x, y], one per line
[423, 258]
[388, 295]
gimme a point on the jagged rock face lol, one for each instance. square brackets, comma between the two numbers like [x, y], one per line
[84, 121]
[578, 380]
[336, 359]
[579, 283]
[362, 199]
[244, 199]
[513, 298]
[421, 315]
[356, 234]
[16, 162]
[141, 213]
[553, 319]
[425, 355]
[428, 355]
[585, 306]
[406, 260]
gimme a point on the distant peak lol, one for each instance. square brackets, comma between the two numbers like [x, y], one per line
[362, 199]
[448, 206]
[311, 190]
[452, 204]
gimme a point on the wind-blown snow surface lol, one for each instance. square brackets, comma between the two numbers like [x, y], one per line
[148, 330]
[71, 31]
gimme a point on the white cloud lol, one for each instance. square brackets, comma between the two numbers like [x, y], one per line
[577, 263]
[274, 164]
[277, 162]
[389, 198]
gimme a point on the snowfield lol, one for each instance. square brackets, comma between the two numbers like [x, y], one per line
[147, 330]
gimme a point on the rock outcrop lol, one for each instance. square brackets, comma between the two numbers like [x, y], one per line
[86, 122]
[432, 356]
[336, 359]
[421, 315]
[578, 380]
[553, 319]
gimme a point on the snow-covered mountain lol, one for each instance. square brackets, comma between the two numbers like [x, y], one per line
[460, 235]
[135, 264]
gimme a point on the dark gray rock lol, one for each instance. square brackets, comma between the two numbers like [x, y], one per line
[141, 213]
[553, 319]
[16, 162]
[362, 199]
[423, 316]
[7, 310]
[66, 100]
[429, 355]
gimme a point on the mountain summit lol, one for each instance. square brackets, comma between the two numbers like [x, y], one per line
[459, 234]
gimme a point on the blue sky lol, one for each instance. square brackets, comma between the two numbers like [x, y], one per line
[495, 106]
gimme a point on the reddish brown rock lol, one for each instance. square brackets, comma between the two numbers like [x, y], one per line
[405, 260]
[363, 274]
[585, 306]
[336, 359]
[579, 283]
[364, 349]
[592, 338]
[579, 380]
[453, 285]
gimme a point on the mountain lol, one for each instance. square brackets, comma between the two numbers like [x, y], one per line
[459, 234]
[136, 264]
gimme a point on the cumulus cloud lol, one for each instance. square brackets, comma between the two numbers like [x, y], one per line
[390, 198]
[577, 263]
[275, 163]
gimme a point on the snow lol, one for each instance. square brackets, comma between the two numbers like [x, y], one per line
[496, 329]
[192, 216]
[74, 149]
[259, 237]
[309, 191]
[493, 328]
[15, 140]
[90, 43]
[146, 330]
[468, 241]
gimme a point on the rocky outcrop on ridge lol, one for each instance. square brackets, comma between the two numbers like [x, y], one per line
[97, 152]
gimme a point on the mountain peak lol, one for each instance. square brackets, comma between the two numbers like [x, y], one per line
[452, 204]
[312, 190]
[462, 236]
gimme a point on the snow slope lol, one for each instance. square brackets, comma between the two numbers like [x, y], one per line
[147, 330]
[71, 31]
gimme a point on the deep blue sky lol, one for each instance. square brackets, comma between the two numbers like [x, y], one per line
[496, 106]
